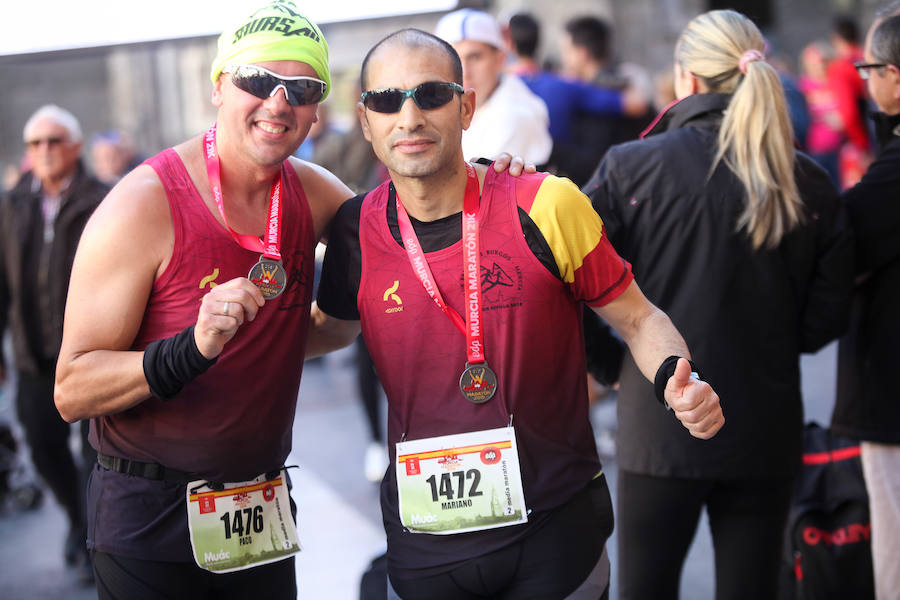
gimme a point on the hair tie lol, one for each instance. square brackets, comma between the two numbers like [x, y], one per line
[748, 57]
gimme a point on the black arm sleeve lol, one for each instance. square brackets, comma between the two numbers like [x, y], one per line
[172, 362]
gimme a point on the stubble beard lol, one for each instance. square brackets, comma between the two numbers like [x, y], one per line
[423, 167]
[421, 170]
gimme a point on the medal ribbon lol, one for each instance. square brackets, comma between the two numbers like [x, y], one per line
[272, 246]
[471, 327]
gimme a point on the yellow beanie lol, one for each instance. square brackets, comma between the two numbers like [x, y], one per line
[276, 31]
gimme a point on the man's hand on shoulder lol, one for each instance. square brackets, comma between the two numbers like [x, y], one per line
[514, 164]
[694, 402]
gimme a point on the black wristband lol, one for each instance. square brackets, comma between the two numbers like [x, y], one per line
[664, 372]
[173, 362]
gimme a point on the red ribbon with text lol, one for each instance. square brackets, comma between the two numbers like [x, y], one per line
[272, 246]
[471, 327]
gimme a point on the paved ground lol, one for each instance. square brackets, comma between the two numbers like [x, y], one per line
[340, 522]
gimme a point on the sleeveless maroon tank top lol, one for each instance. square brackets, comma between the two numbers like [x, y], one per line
[533, 341]
[234, 421]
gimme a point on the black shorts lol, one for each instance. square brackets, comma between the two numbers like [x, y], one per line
[120, 578]
[549, 564]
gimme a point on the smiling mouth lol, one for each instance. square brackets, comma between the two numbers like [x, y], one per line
[269, 128]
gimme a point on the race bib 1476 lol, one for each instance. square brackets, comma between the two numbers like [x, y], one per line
[245, 525]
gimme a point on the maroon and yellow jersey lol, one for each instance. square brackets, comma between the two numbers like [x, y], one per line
[532, 333]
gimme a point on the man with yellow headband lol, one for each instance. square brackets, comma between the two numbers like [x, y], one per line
[185, 330]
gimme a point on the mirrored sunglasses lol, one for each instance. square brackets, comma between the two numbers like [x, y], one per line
[299, 90]
[427, 96]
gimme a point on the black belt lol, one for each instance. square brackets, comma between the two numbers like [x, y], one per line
[146, 470]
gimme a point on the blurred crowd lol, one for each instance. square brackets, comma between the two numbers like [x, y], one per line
[583, 98]
[580, 97]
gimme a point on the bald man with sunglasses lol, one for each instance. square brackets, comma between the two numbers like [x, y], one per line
[468, 287]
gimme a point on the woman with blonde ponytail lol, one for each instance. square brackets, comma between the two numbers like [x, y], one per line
[743, 242]
[755, 139]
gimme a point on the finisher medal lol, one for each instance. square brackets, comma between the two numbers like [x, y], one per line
[478, 383]
[268, 275]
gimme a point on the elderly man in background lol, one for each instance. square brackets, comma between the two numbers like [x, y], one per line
[867, 406]
[41, 220]
[508, 116]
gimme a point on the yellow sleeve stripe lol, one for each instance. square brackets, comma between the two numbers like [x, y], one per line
[568, 222]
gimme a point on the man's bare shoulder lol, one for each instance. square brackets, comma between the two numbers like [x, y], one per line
[135, 219]
[324, 192]
[138, 197]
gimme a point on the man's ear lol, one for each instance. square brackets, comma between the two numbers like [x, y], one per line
[363, 121]
[216, 97]
[467, 107]
[894, 70]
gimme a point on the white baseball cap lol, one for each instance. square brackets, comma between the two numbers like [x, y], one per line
[468, 24]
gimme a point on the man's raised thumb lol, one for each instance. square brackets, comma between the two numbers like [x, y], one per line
[682, 373]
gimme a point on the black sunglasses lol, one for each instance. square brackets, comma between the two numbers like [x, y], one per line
[428, 95]
[863, 68]
[262, 83]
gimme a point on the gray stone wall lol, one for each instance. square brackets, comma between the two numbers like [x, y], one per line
[77, 80]
[155, 92]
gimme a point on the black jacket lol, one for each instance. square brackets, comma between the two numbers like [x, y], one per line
[20, 222]
[746, 314]
[868, 401]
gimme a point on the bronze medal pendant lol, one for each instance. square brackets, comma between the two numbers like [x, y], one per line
[478, 383]
[269, 276]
